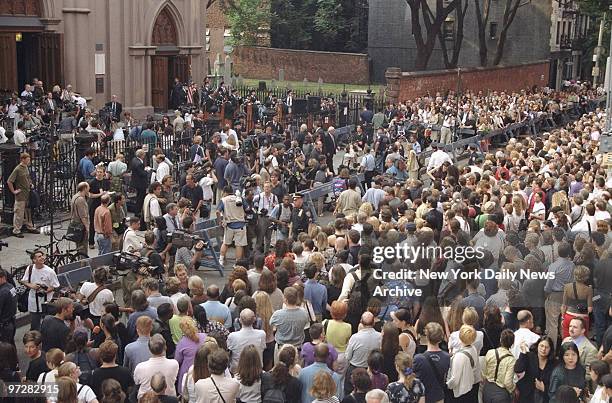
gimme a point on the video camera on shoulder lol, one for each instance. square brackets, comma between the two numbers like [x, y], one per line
[201, 169]
[126, 262]
[182, 239]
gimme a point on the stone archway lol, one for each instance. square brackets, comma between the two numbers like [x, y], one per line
[164, 30]
[166, 64]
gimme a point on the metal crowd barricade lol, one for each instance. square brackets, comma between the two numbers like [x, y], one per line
[311, 196]
[212, 233]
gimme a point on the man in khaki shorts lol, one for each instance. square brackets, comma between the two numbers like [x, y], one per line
[231, 213]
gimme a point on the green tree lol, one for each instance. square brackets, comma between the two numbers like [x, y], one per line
[329, 23]
[247, 18]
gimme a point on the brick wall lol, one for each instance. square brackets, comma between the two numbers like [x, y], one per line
[403, 85]
[264, 63]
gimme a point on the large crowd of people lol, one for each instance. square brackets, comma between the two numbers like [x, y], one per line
[314, 309]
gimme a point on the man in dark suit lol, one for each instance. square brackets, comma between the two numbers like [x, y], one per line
[115, 109]
[329, 147]
[140, 179]
[50, 108]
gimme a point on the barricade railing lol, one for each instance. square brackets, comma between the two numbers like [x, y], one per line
[533, 125]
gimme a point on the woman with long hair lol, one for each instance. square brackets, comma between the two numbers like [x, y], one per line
[268, 284]
[569, 371]
[112, 392]
[249, 375]
[323, 388]
[534, 367]
[199, 370]
[390, 347]
[280, 381]
[334, 288]
[209, 327]
[239, 272]
[598, 370]
[265, 311]
[66, 390]
[9, 363]
[492, 328]
[188, 345]
[430, 312]
[407, 339]
[408, 388]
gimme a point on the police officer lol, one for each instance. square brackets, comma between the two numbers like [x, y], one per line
[8, 308]
[300, 217]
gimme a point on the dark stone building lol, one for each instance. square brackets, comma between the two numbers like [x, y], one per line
[391, 43]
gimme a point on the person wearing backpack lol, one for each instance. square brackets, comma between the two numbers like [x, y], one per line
[83, 357]
[278, 386]
[53, 328]
[499, 371]
[432, 366]
[464, 374]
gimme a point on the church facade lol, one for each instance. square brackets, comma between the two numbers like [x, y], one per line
[130, 48]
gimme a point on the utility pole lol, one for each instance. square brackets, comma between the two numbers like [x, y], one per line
[598, 52]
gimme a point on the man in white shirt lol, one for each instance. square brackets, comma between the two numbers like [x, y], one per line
[42, 281]
[96, 294]
[162, 170]
[132, 242]
[158, 363]
[150, 206]
[3, 138]
[438, 157]
[237, 341]
[523, 334]
[19, 137]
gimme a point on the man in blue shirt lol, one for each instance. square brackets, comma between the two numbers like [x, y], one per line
[315, 292]
[86, 169]
[215, 310]
[148, 136]
[220, 164]
[307, 374]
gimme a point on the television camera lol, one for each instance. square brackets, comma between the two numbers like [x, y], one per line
[181, 239]
[201, 169]
[126, 262]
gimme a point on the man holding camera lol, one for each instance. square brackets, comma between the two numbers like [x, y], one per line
[264, 203]
[189, 256]
[281, 217]
[42, 282]
[194, 194]
[231, 211]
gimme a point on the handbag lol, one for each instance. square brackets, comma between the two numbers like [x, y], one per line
[33, 200]
[76, 229]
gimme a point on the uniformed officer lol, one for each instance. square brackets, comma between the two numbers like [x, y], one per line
[8, 308]
[300, 217]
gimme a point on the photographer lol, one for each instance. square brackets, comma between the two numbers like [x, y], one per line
[231, 211]
[117, 211]
[235, 170]
[190, 257]
[264, 203]
[42, 282]
[8, 309]
[95, 295]
[192, 192]
[148, 251]
[206, 183]
[281, 217]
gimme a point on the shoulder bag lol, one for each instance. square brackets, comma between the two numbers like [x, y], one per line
[76, 229]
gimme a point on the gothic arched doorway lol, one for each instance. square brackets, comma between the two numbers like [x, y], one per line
[167, 64]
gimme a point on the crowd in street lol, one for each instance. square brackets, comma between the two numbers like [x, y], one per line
[311, 312]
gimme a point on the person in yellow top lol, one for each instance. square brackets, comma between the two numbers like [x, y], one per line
[337, 332]
[498, 371]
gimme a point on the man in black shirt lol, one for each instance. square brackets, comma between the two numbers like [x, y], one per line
[107, 353]
[193, 192]
[53, 328]
[8, 309]
[38, 365]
